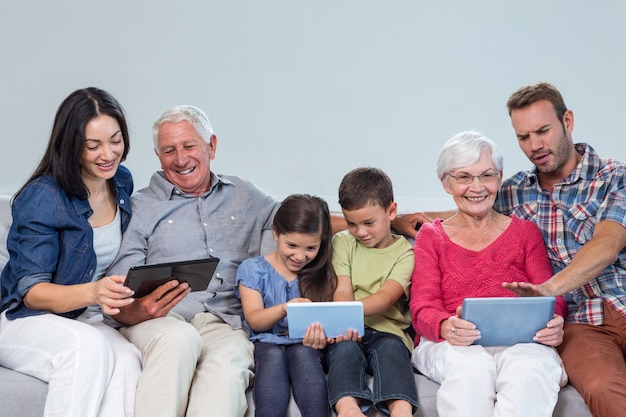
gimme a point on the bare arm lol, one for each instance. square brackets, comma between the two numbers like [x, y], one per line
[383, 299]
[108, 292]
[407, 224]
[259, 317]
[337, 223]
[343, 292]
[609, 238]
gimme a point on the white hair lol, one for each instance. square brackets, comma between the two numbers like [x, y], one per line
[464, 149]
[195, 116]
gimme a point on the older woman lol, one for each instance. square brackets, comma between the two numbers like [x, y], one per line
[470, 255]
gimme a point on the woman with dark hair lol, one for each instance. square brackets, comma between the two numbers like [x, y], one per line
[68, 221]
[299, 270]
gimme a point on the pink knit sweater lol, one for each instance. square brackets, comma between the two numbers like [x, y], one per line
[446, 273]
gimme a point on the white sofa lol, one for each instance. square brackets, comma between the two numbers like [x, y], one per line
[24, 396]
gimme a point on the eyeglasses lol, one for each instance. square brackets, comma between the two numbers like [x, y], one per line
[465, 179]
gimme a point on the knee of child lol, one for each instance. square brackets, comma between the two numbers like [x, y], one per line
[392, 346]
[270, 354]
[303, 357]
[347, 347]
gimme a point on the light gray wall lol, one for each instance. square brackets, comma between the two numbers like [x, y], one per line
[301, 92]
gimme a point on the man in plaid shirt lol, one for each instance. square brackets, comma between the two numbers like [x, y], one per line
[578, 200]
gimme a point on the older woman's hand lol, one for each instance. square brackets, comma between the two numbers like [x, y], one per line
[552, 334]
[458, 332]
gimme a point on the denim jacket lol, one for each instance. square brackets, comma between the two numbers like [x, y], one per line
[50, 240]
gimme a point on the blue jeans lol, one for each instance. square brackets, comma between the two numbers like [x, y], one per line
[380, 354]
[279, 365]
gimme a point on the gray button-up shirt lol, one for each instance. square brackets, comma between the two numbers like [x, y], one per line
[227, 221]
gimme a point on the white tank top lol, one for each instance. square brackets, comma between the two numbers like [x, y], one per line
[106, 243]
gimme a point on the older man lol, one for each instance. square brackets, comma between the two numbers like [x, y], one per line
[197, 359]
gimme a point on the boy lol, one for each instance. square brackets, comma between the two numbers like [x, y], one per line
[372, 266]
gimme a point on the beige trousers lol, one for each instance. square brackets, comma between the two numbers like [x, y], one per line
[202, 368]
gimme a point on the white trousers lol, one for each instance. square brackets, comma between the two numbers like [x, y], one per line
[522, 380]
[90, 368]
[196, 369]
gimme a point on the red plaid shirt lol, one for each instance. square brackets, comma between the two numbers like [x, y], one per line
[567, 215]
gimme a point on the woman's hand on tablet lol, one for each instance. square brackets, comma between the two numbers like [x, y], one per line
[552, 334]
[458, 332]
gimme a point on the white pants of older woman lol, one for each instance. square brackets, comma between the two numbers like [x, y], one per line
[90, 368]
[522, 380]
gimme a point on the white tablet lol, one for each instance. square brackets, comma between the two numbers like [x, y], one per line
[505, 321]
[336, 317]
[197, 273]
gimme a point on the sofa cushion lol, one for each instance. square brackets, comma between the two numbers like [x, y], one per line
[21, 395]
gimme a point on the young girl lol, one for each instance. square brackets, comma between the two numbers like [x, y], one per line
[298, 271]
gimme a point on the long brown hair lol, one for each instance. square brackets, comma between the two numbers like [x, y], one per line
[61, 159]
[303, 213]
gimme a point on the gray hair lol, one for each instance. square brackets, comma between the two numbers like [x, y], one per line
[196, 117]
[464, 149]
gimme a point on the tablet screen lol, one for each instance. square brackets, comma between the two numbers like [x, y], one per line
[336, 317]
[197, 273]
[505, 321]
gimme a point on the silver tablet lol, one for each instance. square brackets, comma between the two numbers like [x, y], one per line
[336, 317]
[505, 321]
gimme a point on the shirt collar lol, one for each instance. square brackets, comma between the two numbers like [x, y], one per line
[584, 170]
[165, 190]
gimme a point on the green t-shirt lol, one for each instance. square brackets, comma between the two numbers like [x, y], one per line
[369, 268]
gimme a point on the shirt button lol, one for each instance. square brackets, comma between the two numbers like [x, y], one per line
[170, 221]
[205, 225]
[232, 217]
[211, 250]
[121, 201]
[558, 240]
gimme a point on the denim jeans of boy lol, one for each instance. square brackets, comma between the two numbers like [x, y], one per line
[379, 354]
[281, 367]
